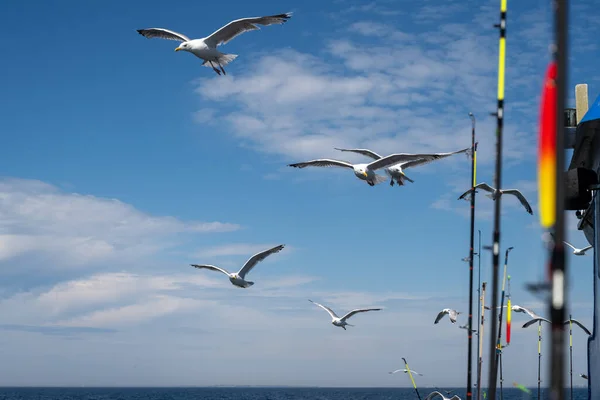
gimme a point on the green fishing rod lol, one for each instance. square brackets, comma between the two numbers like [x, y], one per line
[411, 377]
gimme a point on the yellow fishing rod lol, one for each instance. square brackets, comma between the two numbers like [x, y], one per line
[411, 377]
[493, 370]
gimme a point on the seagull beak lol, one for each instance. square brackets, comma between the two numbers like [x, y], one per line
[365, 173]
[178, 48]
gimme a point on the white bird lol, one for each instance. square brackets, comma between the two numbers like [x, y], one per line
[496, 193]
[436, 393]
[239, 278]
[406, 371]
[576, 251]
[206, 48]
[396, 172]
[452, 314]
[341, 322]
[365, 172]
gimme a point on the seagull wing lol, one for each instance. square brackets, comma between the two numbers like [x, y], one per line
[211, 267]
[322, 162]
[521, 198]
[226, 33]
[525, 310]
[398, 370]
[427, 158]
[395, 159]
[163, 34]
[533, 321]
[440, 316]
[358, 310]
[434, 394]
[258, 257]
[462, 196]
[569, 244]
[329, 310]
[586, 330]
[484, 186]
[586, 249]
[364, 152]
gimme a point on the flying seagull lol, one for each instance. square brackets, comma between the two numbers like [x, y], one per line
[365, 172]
[496, 193]
[584, 376]
[206, 48]
[576, 251]
[341, 322]
[412, 371]
[452, 314]
[239, 278]
[396, 172]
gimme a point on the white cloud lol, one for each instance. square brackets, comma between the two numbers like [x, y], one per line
[74, 229]
[386, 95]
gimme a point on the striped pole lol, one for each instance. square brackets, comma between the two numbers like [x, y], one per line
[493, 370]
[471, 260]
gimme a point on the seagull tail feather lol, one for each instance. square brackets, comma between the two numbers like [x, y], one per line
[223, 59]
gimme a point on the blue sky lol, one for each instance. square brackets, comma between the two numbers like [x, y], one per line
[123, 162]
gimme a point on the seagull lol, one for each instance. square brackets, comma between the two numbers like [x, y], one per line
[412, 371]
[496, 193]
[206, 48]
[576, 251]
[239, 278]
[341, 322]
[364, 171]
[452, 314]
[584, 376]
[396, 172]
[436, 393]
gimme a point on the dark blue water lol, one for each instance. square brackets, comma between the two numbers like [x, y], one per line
[246, 394]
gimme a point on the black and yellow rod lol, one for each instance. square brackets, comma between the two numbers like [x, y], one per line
[411, 377]
[471, 261]
[493, 369]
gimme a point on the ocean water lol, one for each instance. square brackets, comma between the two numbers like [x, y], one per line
[250, 394]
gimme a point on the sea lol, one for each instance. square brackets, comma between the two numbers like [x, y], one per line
[256, 393]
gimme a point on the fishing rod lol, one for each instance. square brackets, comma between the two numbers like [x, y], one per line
[499, 341]
[586, 330]
[558, 267]
[411, 377]
[479, 311]
[571, 353]
[508, 313]
[480, 335]
[471, 255]
[493, 370]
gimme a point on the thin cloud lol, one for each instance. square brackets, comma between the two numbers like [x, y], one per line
[75, 230]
